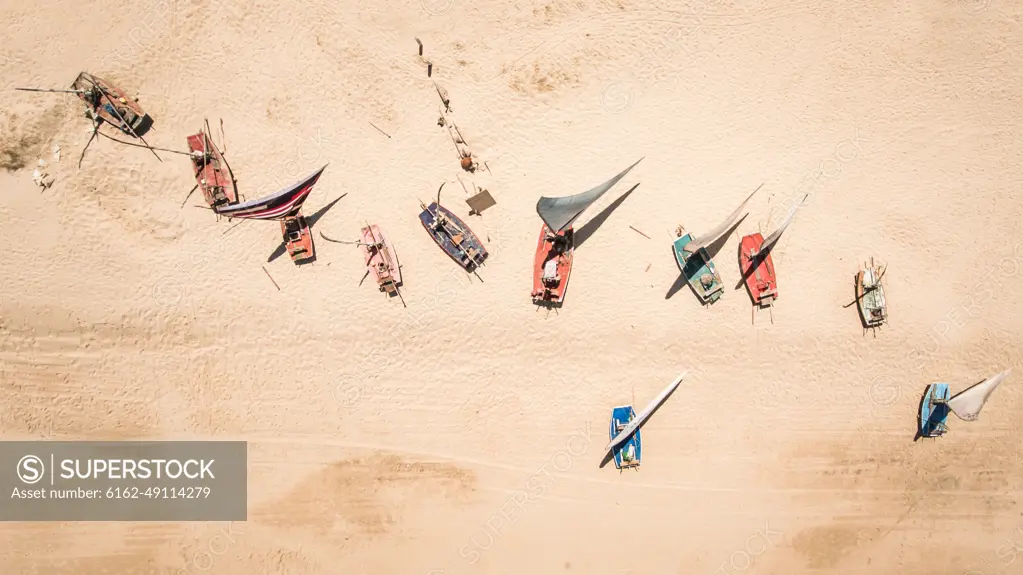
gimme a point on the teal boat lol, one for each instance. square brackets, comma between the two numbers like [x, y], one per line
[698, 269]
[694, 259]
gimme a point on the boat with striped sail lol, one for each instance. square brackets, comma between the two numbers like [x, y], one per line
[286, 207]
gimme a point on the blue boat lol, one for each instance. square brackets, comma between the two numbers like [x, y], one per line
[698, 270]
[628, 453]
[453, 236]
[934, 410]
[966, 405]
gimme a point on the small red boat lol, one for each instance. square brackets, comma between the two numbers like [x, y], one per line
[552, 265]
[212, 174]
[757, 266]
[758, 270]
[381, 259]
[297, 237]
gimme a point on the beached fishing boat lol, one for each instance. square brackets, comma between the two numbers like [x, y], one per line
[936, 404]
[111, 104]
[870, 297]
[757, 265]
[452, 235]
[286, 206]
[297, 237]
[619, 435]
[212, 174]
[629, 453]
[552, 262]
[695, 260]
[381, 259]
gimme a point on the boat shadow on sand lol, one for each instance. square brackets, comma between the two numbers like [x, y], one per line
[609, 456]
[590, 227]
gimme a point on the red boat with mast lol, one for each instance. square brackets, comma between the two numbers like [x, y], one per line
[555, 248]
[212, 174]
[757, 265]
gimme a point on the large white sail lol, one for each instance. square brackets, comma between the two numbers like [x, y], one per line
[639, 419]
[776, 234]
[967, 403]
[712, 236]
[560, 213]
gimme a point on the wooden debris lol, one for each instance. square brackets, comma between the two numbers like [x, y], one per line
[379, 130]
[271, 278]
[443, 96]
[420, 42]
[639, 232]
[648, 267]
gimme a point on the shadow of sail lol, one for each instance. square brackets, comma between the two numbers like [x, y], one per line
[587, 229]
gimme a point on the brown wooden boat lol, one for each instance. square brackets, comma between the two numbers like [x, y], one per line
[212, 174]
[111, 104]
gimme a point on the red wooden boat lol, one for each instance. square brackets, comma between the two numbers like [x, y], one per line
[757, 266]
[297, 237]
[555, 249]
[758, 270]
[212, 174]
[381, 260]
[111, 104]
[552, 265]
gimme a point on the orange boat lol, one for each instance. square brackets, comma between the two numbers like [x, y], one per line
[381, 260]
[552, 264]
[757, 266]
[212, 174]
[297, 237]
[758, 270]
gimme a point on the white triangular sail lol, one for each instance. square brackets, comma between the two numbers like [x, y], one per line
[967, 403]
[639, 419]
[776, 234]
[560, 213]
[712, 236]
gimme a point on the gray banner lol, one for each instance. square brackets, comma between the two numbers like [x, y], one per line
[123, 480]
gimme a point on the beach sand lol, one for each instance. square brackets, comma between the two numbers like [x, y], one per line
[463, 435]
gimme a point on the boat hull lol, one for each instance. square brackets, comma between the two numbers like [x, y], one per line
[297, 238]
[621, 416]
[455, 238]
[552, 291]
[696, 266]
[757, 272]
[934, 417]
[212, 173]
[136, 119]
[382, 263]
[872, 305]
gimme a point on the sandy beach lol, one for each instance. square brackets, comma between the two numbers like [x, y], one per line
[463, 435]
